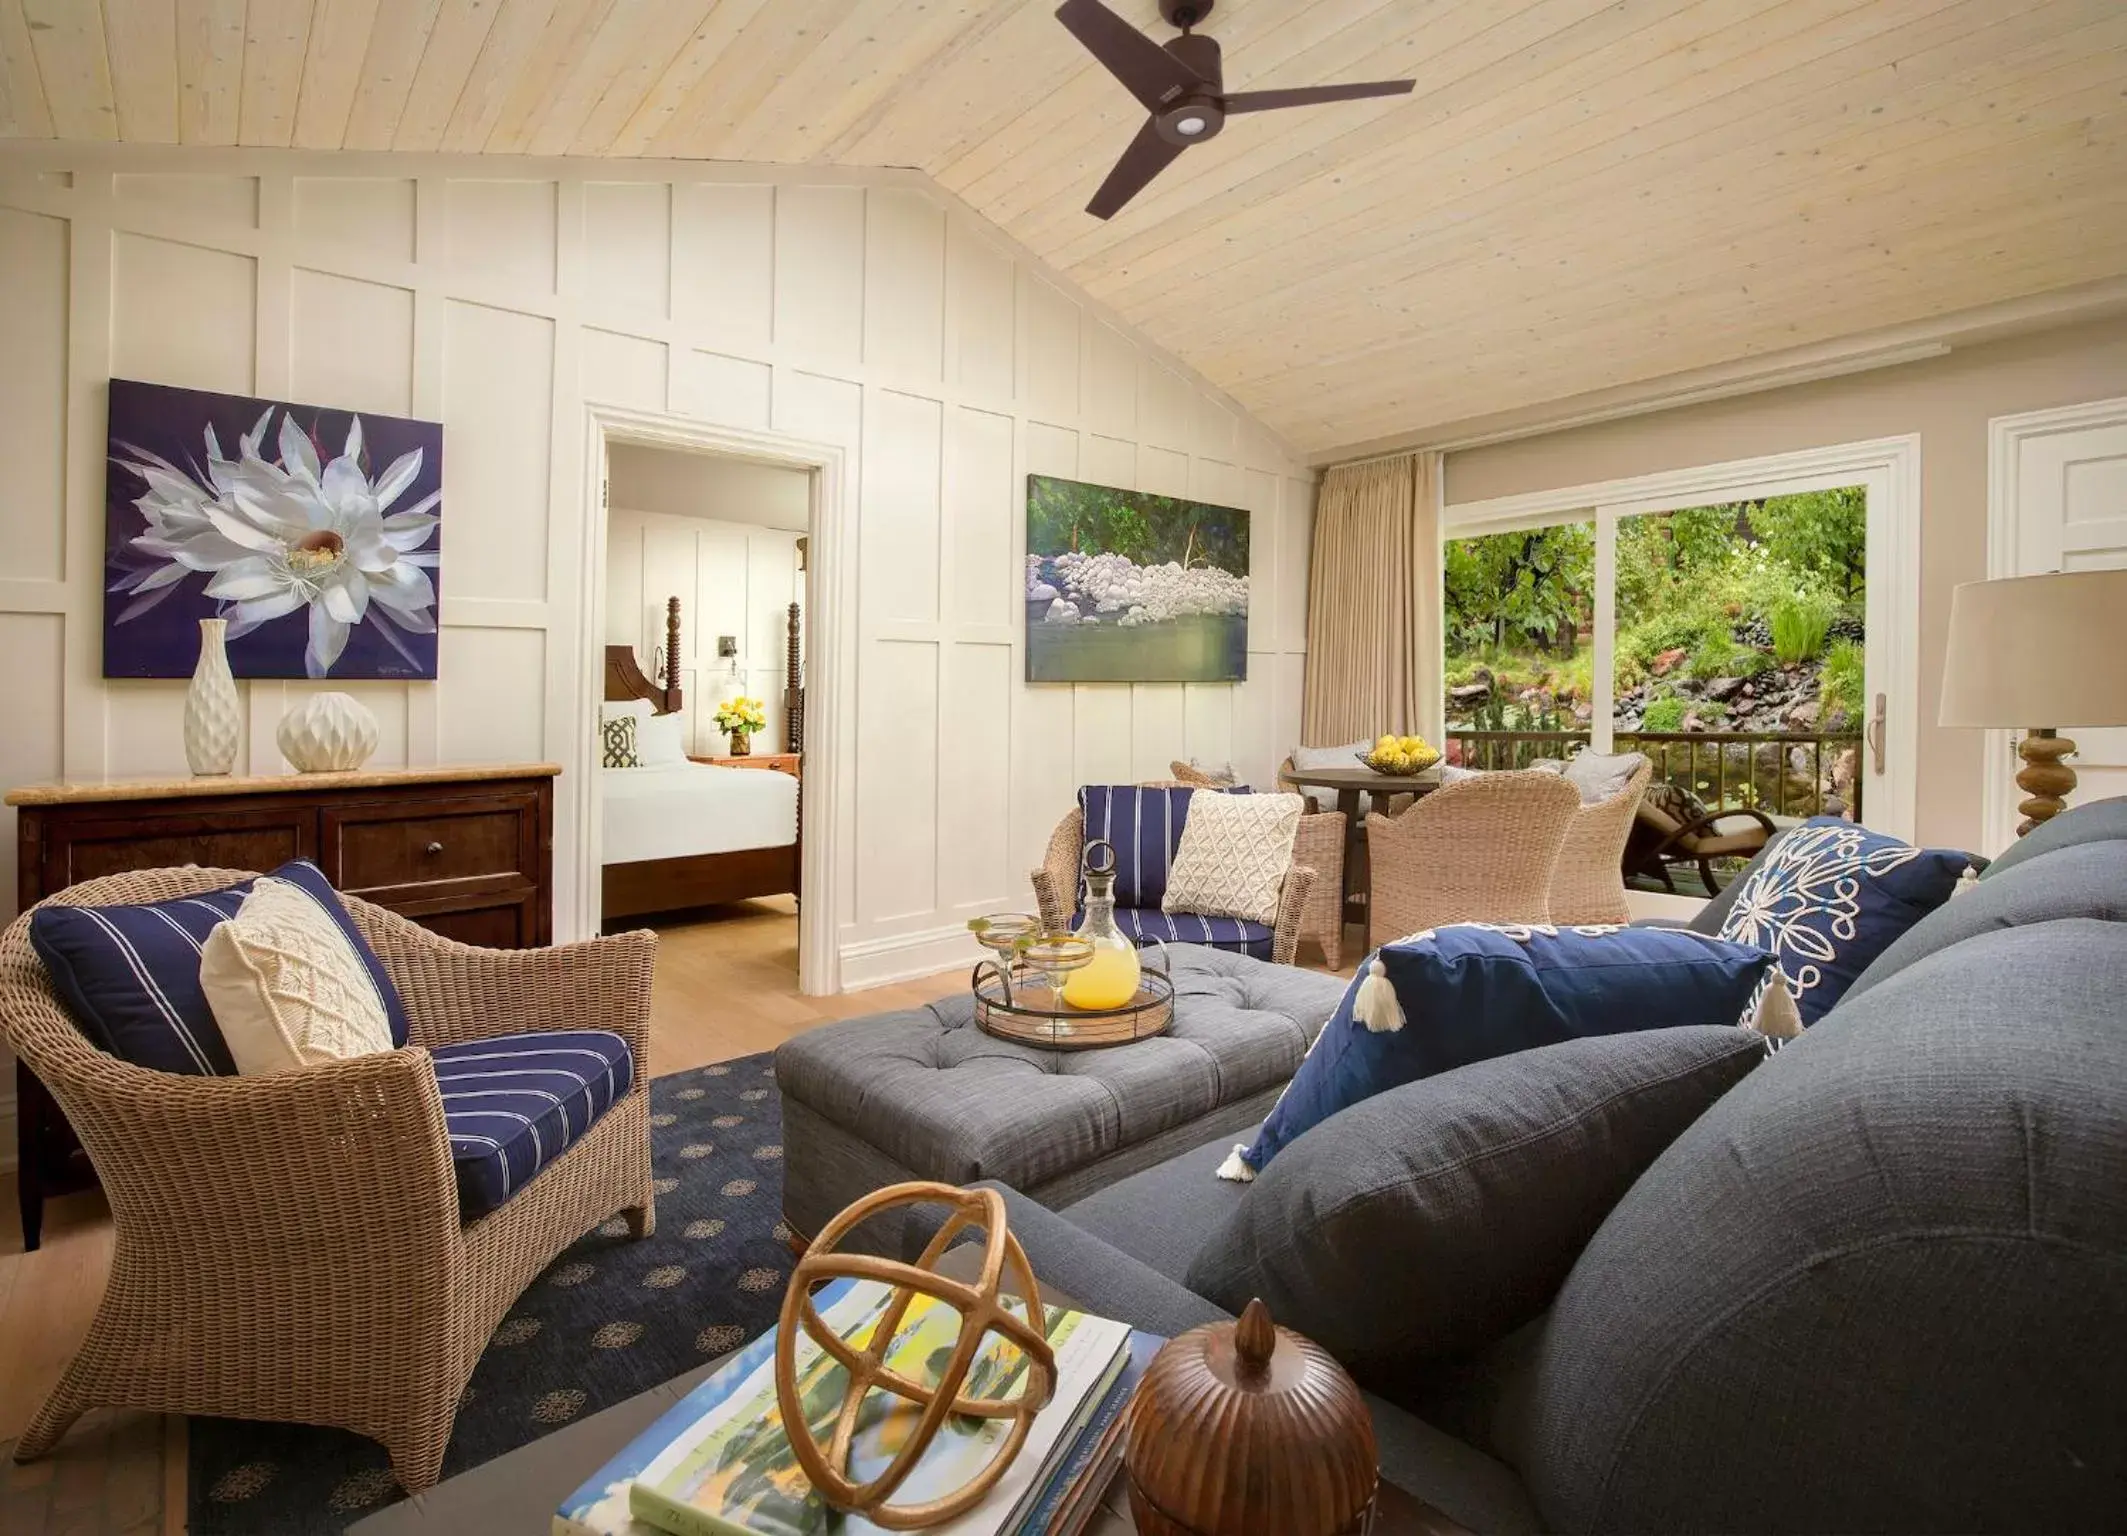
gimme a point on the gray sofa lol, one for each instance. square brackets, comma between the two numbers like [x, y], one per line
[1881, 1284]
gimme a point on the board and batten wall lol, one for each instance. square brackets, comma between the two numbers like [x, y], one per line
[735, 579]
[499, 296]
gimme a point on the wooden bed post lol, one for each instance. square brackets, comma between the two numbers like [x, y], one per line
[672, 699]
[793, 690]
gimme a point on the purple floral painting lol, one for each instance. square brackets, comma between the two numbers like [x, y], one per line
[317, 534]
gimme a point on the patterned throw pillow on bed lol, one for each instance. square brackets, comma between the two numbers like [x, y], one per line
[618, 738]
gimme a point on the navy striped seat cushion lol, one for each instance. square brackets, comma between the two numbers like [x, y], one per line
[1237, 935]
[129, 975]
[514, 1103]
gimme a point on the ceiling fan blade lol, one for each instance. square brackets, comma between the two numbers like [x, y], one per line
[1147, 156]
[1148, 71]
[1310, 95]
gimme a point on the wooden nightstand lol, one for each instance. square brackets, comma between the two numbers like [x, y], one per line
[774, 762]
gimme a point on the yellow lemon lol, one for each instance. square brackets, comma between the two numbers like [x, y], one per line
[1387, 744]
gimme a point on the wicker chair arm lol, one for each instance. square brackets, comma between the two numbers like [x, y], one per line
[1292, 902]
[347, 1164]
[1056, 882]
[457, 992]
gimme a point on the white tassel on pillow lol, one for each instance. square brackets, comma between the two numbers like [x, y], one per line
[1776, 1016]
[1376, 1006]
[1234, 1170]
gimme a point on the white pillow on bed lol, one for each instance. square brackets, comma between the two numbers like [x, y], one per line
[613, 709]
[658, 741]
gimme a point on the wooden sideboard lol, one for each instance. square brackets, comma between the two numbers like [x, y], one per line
[466, 849]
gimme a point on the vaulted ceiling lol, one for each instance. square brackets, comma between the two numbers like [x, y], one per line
[1579, 195]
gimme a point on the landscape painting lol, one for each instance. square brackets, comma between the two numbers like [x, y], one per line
[1128, 587]
[316, 533]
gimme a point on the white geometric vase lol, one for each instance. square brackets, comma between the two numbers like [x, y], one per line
[212, 723]
[327, 733]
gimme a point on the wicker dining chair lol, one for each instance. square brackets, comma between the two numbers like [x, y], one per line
[1588, 886]
[1317, 865]
[289, 1247]
[1480, 850]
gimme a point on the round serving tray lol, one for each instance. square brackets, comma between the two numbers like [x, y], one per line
[1028, 1012]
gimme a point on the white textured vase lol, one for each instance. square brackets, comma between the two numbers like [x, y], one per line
[212, 722]
[328, 733]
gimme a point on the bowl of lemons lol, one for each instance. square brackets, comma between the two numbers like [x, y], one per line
[1400, 756]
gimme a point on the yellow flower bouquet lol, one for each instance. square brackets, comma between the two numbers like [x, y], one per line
[741, 717]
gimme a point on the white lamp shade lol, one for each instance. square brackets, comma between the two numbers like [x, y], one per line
[2038, 652]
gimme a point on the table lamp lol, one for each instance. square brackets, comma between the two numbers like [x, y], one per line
[2035, 653]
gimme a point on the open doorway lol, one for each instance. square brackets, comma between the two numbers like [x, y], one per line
[740, 528]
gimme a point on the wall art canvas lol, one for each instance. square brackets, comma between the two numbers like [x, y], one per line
[316, 533]
[1128, 587]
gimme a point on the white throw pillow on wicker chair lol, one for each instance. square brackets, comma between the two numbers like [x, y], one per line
[1234, 855]
[287, 988]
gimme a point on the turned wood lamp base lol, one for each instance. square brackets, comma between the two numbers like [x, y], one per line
[2046, 780]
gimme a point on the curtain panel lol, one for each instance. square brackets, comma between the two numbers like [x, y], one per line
[1373, 603]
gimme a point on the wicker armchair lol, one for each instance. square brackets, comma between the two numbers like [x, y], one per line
[1056, 881]
[289, 1247]
[1479, 850]
[1588, 886]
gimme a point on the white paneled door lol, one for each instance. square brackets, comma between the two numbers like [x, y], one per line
[2059, 504]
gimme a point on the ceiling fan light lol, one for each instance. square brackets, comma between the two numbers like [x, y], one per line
[1190, 127]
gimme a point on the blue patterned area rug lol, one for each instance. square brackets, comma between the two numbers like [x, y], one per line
[609, 1319]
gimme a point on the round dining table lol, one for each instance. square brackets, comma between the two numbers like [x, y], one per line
[1359, 789]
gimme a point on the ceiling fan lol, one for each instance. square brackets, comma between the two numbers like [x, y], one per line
[1180, 83]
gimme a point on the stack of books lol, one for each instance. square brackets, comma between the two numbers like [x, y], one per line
[719, 1462]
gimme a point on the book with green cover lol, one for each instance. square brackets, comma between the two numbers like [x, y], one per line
[720, 1464]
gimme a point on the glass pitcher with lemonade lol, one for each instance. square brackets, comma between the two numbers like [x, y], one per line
[1110, 978]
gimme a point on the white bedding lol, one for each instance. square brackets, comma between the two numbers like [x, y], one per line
[682, 809]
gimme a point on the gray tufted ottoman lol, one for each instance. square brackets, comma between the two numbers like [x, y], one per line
[924, 1094]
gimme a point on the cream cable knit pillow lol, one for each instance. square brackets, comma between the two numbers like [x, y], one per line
[1235, 853]
[286, 987]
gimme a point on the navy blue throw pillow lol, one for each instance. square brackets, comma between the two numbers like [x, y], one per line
[129, 975]
[1473, 991]
[1829, 897]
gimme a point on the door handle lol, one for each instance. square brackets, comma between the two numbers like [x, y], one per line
[1878, 728]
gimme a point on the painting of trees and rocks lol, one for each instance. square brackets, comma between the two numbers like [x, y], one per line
[1743, 620]
[1129, 587]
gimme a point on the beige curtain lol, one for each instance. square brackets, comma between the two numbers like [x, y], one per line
[1373, 603]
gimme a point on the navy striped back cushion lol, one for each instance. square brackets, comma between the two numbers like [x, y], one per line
[129, 975]
[1145, 825]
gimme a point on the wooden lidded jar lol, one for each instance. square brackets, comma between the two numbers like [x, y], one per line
[1245, 1428]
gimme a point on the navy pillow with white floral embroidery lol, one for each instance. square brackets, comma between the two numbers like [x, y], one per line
[1832, 896]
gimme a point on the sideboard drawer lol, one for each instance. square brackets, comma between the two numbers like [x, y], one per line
[390, 847]
[262, 837]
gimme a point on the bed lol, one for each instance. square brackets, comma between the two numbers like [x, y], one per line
[681, 833]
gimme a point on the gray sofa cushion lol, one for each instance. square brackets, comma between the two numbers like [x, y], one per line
[1882, 1285]
[1429, 1220]
[1455, 1478]
[1161, 1217]
[2093, 822]
[2080, 880]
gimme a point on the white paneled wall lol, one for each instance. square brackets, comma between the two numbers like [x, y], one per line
[735, 579]
[499, 297]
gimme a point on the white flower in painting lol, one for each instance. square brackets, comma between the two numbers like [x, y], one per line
[274, 538]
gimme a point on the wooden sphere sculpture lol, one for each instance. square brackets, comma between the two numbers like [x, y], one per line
[1244, 1428]
[982, 1310]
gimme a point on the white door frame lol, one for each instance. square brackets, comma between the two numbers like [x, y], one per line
[831, 662]
[1889, 467]
[2006, 437]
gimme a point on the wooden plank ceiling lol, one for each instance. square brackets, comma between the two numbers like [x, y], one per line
[1579, 195]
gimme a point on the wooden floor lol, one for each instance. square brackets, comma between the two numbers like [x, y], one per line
[726, 986]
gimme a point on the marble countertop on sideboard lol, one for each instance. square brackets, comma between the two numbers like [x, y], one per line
[186, 786]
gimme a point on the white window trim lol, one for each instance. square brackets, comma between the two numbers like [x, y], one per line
[1890, 469]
